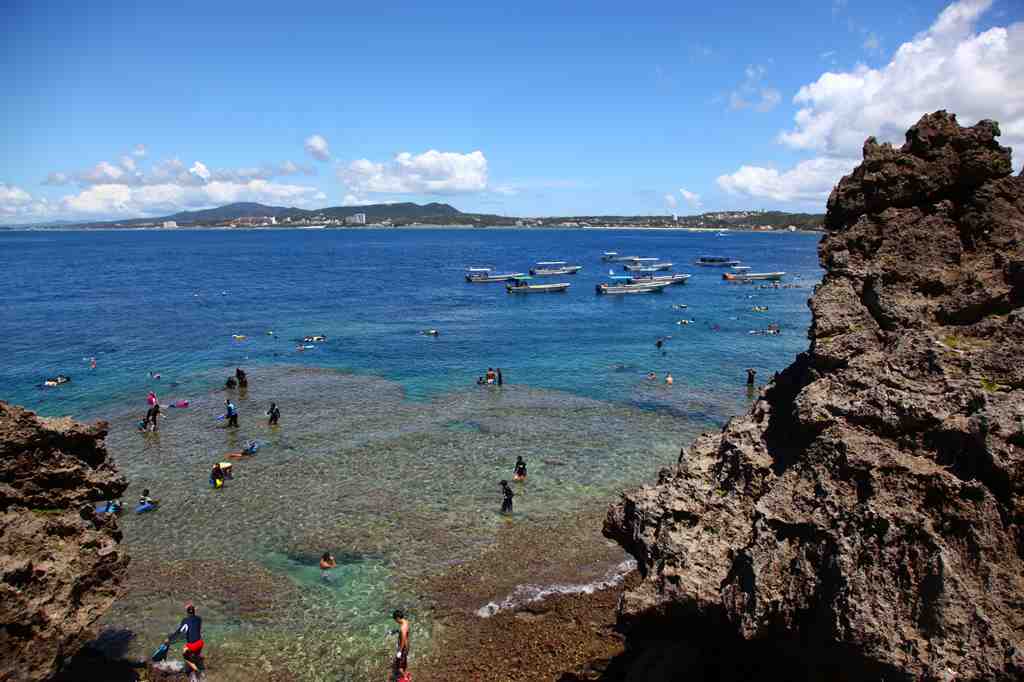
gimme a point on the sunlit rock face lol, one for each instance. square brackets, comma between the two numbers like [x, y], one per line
[866, 517]
[60, 562]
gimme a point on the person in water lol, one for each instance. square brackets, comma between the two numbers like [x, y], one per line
[500, 379]
[191, 626]
[519, 471]
[327, 562]
[144, 498]
[273, 414]
[240, 376]
[668, 379]
[506, 503]
[751, 373]
[401, 667]
[651, 376]
[152, 417]
[231, 412]
[230, 383]
[151, 399]
[491, 376]
[217, 476]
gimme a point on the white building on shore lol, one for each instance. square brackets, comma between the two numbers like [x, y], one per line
[357, 219]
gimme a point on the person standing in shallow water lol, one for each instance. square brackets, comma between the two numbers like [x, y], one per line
[327, 562]
[401, 667]
[751, 373]
[241, 378]
[506, 503]
[231, 412]
[273, 415]
[191, 626]
[500, 380]
[519, 472]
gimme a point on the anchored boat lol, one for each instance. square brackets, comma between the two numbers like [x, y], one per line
[625, 285]
[751, 276]
[521, 285]
[716, 262]
[671, 278]
[546, 268]
[480, 275]
[614, 257]
[646, 265]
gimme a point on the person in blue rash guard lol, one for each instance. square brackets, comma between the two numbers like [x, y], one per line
[191, 626]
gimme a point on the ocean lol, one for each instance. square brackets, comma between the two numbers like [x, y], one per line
[388, 453]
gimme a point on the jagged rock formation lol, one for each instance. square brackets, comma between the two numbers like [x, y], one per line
[866, 517]
[60, 563]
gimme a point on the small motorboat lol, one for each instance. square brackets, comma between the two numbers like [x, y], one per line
[614, 257]
[58, 380]
[751, 276]
[672, 278]
[625, 285]
[315, 338]
[646, 265]
[548, 268]
[716, 262]
[522, 285]
[482, 275]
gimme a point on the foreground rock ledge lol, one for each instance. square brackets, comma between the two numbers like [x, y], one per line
[60, 564]
[866, 515]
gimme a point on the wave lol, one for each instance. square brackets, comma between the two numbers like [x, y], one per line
[527, 594]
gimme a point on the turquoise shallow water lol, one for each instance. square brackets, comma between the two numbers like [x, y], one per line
[387, 454]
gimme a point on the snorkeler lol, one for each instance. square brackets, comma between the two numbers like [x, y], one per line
[231, 412]
[506, 503]
[217, 476]
[401, 667]
[273, 415]
[327, 562]
[519, 471]
[192, 627]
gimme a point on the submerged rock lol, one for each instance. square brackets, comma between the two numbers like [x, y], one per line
[866, 517]
[60, 562]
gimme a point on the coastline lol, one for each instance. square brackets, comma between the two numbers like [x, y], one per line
[364, 228]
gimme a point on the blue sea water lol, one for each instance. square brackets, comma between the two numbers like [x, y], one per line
[388, 453]
[170, 302]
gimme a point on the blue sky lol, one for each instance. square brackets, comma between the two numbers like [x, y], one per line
[527, 109]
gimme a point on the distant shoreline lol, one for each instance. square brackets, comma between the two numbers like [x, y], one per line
[267, 228]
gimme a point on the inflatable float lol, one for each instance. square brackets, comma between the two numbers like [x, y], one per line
[143, 508]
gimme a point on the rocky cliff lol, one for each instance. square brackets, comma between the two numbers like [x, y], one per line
[865, 520]
[60, 562]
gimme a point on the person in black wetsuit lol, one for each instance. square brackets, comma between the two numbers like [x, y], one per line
[191, 626]
[243, 380]
[506, 503]
[500, 379]
[751, 373]
[274, 414]
[519, 472]
[152, 415]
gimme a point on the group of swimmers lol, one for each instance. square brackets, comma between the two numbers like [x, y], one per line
[651, 376]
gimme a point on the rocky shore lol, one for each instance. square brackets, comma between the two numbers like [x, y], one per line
[865, 520]
[60, 561]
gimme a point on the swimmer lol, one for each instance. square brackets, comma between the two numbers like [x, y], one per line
[154, 375]
[651, 376]
[144, 498]
[429, 332]
[684, 322]
[519, 471]
[92, 363]
[217, 476]
[506, 503]
[327, 562]
[668, 379]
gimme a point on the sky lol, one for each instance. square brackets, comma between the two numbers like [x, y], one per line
[129, 109]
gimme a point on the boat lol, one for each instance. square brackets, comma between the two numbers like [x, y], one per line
[751, 276]
[716, 262]
[671, 278]
[614, 257]
[624, 285]
[647, 266]
[741, 268]
[547, 268]
[521, 285]
[480, 275]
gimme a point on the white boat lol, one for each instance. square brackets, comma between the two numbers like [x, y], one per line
[716, 262]
[656, 266]
[614, 257]
[625, 285]
[480, 275]
[751, 276]
[546, 268]
[671, 278]
[521, 285]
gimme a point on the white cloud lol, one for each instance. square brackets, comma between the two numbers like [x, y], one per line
[808, 181]
[949, 66]
[317, 147]
[139, 150]
[128, 163]
[17, 204]
[200, 170]
[56, 178]
[353, 200]
[106, 199]
[12, 198]
[692, 198]
[431, 172]
[102, 173]
[671, 201]
[752, 93]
